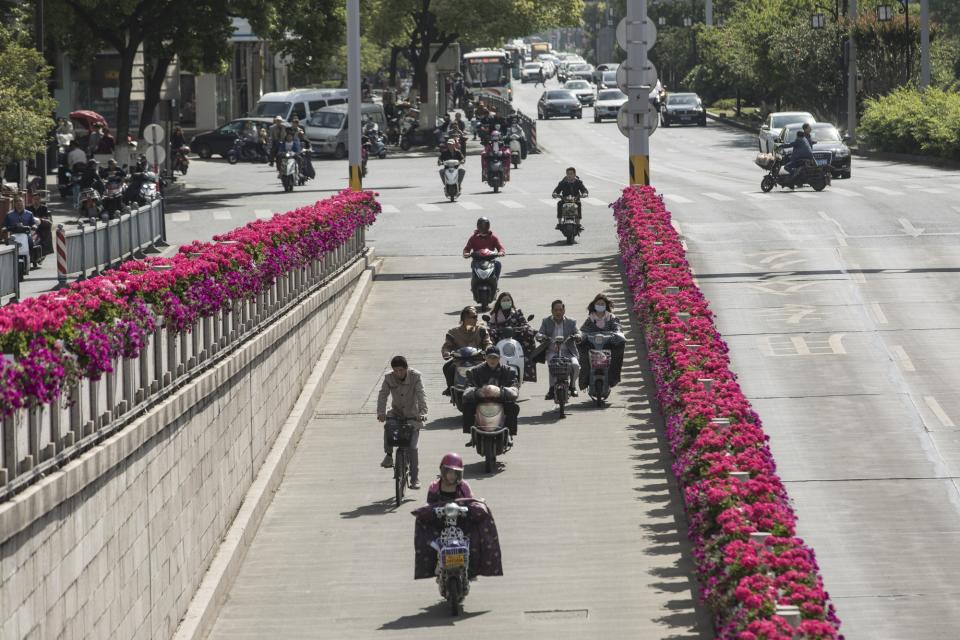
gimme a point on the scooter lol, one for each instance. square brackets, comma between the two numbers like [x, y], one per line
[561, 368]
[600, 356]
[483, 282]
[246, 151]
[570, 218]
[377, 140]
[511, 351]
[464, 358]
[289, 169]
[142, 188]
[453, 556]
[89, 204]
[490, 433]
[21, 236]
[495, 174]
[815, 173]
[181, 160]
[451, 179]
[113, 195]
[514, 139]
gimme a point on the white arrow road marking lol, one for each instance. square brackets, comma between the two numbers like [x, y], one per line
[787, 291]
[770, 257]
[909, 229]
[429, 207]
[389, 208]
[719, 197]
[938, 411]
[263, 214]
[905, 362]
[510, 204]
[678, 199]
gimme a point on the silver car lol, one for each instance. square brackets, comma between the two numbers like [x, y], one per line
[582, 89]
[608, 104]
[775, 122]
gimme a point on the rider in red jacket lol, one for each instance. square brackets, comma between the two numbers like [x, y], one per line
[484, 239]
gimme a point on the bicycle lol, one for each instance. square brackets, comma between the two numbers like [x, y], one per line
[399, 433]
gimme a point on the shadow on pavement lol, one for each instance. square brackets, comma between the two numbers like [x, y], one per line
[436, 615]
[378, 508]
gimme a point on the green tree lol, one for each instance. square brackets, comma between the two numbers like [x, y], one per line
[308, 32]
[25, 104]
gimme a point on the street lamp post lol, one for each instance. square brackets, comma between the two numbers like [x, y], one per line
[885, 14]
[353, 86]
[852, 77]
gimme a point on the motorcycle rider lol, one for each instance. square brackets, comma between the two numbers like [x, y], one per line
[570, 185]
[277, 133]
[505, 314]
[601, 318]
[449, 152]
[558, 325]
[449, 485]
[484, 238]
[405, 387]
[467, 334]
[802, 151]
[491, 381]
[290, 143]
[19, 217]
[495, 150]
[90, 177]
[112, 170]
[514, 128]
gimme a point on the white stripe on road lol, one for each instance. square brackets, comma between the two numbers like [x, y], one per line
[846, 192]
[855, 273]
[918, 187]
[181, 216]
[801, 194]
[938, 411]
[884, 191]
[597, 202]
[222, 214]
[510, 204]
[472, 206]
[905, 362]
[551, 202]
[878, 312]
[719, 197]
[429, 207]
[754, 194]
[389, 208]
[263, 214]
[675, 198]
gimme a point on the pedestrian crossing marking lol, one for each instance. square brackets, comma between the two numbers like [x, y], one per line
[678, 199]
[597, 202]
[181, 216]
[510, 204]
[222, 214]
[429, 207]
[801, 194]
[264, 214]
[719, 197]
[550, 202]
[389, 208]
[472, 206]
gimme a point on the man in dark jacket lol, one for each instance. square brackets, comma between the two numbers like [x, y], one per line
[802, 151]
[571, 185]
[480, 378]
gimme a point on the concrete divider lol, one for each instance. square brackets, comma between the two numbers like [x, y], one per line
[115, 543]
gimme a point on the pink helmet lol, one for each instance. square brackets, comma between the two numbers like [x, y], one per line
[452, 461]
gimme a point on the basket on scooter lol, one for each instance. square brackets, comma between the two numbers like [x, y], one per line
[765, 161]
[599, 358]
[399, 432]
[559, 366]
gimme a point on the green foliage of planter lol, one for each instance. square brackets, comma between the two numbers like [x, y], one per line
[915, 122]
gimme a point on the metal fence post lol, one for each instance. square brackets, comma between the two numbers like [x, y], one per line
[83, 253]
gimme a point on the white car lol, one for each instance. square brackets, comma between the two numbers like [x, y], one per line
[608, 104]
[582, 89]
[775, 122]
[530, 72]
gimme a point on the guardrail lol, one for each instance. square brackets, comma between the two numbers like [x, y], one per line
[9, 273]
[505, 108]
[38, 440]
[91, 248]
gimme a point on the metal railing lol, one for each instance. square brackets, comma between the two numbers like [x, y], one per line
[35, 441]
[93, 247]
[505, 108]
[9, 272]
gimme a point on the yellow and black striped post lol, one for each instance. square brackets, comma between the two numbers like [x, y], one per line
[356, 177]
[639, 169]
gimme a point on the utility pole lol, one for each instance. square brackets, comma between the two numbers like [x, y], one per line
[353, 86]
[637, 61]
[708, 15]
[924, 44]
[852, 78]
[42, 156]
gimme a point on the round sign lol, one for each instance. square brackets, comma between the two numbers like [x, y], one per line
[627, 119]
[155, 153]
[645, 31]
[153, 134]
[648, 76]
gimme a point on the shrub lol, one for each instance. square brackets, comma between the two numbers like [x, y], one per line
[911, 121]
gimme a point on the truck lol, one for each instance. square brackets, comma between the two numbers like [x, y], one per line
[539, 48]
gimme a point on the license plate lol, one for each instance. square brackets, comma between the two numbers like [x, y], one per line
[821, 163]
[453, 560]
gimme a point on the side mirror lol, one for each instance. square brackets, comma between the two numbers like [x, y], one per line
[847, 138]
[765, 127]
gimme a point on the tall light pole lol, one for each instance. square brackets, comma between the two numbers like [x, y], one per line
[852, 77]
[353, 86]
[708, 13]
[924, 44]
[637, 62]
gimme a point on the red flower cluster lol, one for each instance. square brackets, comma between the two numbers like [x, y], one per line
[51, 340]
[750, 563]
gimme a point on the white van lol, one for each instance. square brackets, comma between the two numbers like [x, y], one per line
[298, 102]
[327, 128]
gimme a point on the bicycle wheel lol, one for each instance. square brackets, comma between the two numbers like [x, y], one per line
[400, 472]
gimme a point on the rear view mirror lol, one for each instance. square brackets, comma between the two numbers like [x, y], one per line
[765, 128]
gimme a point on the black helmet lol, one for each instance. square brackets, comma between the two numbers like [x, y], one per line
[483, 224]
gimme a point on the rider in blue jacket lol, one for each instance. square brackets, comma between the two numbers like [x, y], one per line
[802, 150]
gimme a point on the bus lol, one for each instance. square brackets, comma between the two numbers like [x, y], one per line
[488, 72]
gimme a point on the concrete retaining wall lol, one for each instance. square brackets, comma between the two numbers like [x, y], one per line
[116, 543]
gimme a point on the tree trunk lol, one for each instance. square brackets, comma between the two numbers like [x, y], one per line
[125, 86]
[152, 88]
[394, 55]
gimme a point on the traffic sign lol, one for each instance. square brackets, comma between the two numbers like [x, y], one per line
[648, 76]
[645, 32]
[155, 153]
[632, 116]
[153, 134]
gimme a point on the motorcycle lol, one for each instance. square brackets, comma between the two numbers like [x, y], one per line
[511, 351]
[89, 206]
[378, 142]
[289, 169]
[21, 236]
[451, 179]
[142, 188]
[561, 368]
[453, 556]
[495, 174]
[570, 218]
[490, 433]
[600, 357]
[515, 140]
[181, 160]
[246, 151]
[463, 358]
[113, 195]
[483, 282]
[412, 135]
[815, 173]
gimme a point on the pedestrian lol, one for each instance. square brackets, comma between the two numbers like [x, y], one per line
[277, 134]
[75, 155]
[177, 140]
[93, 143]
[540, 78]
[408, 401]
[107, 142]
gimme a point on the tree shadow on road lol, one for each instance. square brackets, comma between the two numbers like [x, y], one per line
[436, 615]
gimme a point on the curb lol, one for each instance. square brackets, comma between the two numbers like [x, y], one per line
[945, 163]
[210, 595]
[731, 123]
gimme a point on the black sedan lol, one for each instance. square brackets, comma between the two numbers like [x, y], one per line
[825, 138]
[559, 103]
[683, 108]
[221, 140]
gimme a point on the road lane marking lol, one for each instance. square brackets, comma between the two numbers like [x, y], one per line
[909, 229]
[222, 214]
[181, 216]
[551, 202]
[510, 204]
[719, 197]
[801, 194]
[264, 214]
[849, 193]
[754, 194]
[938, 411]
[389, 208]
[470, 206]
[884, 191]
[854, 272]
[597, 202]
[905, 362]
[839, 234]
[428, 207]
[878, 312]
[800, 346]
[678, 199]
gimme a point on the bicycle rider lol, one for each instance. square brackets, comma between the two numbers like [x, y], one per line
[405, 387]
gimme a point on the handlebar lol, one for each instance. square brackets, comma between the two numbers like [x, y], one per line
[477, 255]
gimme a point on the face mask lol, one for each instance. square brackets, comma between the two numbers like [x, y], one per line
[600, 307]
[506, 305]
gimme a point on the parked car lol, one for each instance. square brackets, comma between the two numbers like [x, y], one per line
[530, 72]
[582, 89]
[580, 71]
[775, 122]
[558, 102]
[221, 140]
[683, 108]
[297, 102]
[608, 104]
[825, 138]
